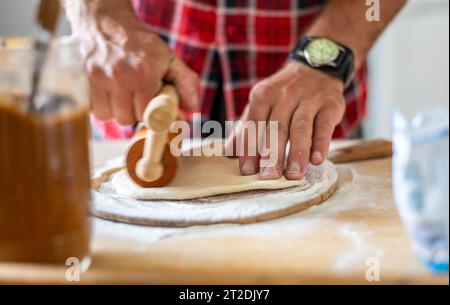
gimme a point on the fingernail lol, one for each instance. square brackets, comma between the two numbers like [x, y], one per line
[269, 173]
[248, 167]
[294, 168]
[317, 156]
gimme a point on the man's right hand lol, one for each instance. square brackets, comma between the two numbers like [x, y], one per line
[127, 64]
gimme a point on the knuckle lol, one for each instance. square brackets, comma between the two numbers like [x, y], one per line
[123, 79]
[339, 105]
[117, 72]
[194, 78]
[144, 70]
[283, 129]
[324, 127]
[329, 118]
[329, 100]
[143, 66]
[322, 137]
[320, 142]
[94, 70]
[323, 133]
[122, 62]
[259, 93]
[334, 101]
[302, 123]
[341, 109]
[290, 90]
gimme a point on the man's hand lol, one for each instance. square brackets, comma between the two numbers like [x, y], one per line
[307, 104]
[126, 63]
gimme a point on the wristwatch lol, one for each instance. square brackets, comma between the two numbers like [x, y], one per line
[326, 55]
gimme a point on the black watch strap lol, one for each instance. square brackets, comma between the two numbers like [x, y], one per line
[344, 64]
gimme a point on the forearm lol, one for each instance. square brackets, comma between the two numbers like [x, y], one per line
[345, 21]
[85, 14]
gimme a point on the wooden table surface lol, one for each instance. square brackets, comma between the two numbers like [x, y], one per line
[336, 242]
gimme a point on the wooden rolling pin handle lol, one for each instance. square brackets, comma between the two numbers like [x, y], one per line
[162, 110]
[364, 150]
[158, 117]
[150, 167]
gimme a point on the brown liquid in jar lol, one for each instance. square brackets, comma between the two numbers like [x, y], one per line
[44, 185]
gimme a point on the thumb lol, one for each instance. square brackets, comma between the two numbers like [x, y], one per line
[186, 82]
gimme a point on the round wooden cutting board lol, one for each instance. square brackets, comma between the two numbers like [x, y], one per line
[243, 207]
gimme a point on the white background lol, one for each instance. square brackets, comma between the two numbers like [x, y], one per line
[409, 66]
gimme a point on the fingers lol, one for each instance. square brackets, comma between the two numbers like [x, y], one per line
[100, 104]
[324, 125]
[307, 123]
[187, 83]
[143, 97]
[249, 136]
[99, 96]
[277, 136]
[122, 107]
[124, 82]
[148, 85]
[249, 140]
[117, 104]
[301, 130]
[307, 105]
[184, 79]
[118, 94]
[231, 147]
[131, 65]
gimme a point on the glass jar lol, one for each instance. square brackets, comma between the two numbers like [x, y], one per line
[44, 159]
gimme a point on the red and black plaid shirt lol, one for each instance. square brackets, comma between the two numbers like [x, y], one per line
[232, 44]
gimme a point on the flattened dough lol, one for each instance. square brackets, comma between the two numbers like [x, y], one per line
[207, 191]
[199, 177]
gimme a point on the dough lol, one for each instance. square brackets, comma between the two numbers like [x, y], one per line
[199, 177]
[233, 198]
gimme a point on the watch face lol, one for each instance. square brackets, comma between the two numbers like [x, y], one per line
[321, 51]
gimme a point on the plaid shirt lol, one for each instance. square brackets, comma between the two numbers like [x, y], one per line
[233, 44]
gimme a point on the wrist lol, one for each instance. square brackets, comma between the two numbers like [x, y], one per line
[302, 71]
[325, 55]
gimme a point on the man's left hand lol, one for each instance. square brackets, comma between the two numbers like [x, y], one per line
[307, 104]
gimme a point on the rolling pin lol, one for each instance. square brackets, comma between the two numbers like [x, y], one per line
[149, 161]
[362, 150]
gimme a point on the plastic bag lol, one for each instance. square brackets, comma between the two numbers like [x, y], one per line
[421, 183]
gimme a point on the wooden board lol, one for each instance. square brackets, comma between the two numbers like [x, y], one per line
[328, 244]
[108, 205]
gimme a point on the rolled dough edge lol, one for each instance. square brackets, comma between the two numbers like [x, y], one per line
[295, 208]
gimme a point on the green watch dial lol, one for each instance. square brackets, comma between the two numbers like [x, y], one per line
[322, 51]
